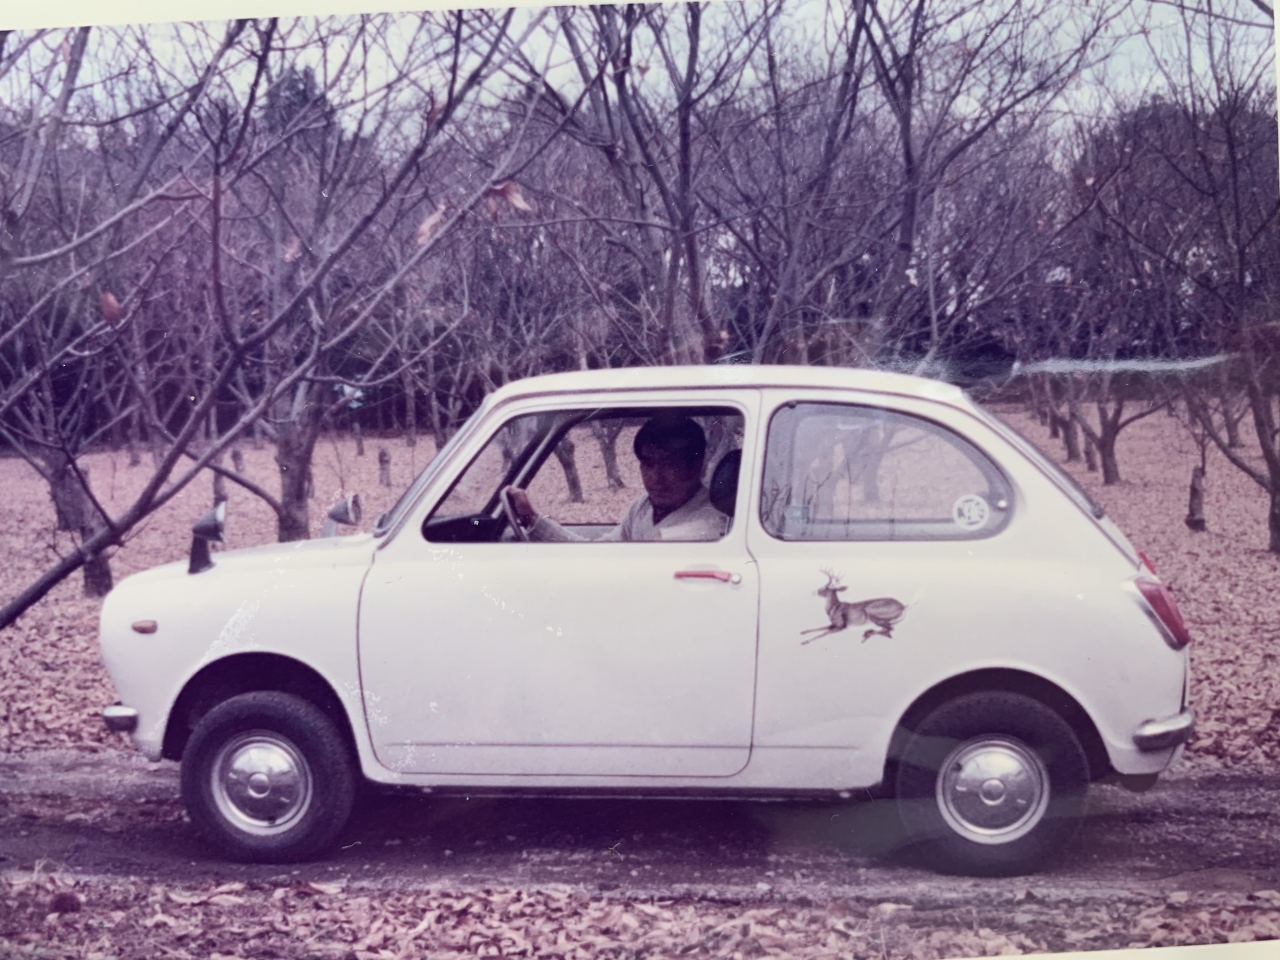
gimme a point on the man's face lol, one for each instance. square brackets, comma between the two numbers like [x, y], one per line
[669, 478]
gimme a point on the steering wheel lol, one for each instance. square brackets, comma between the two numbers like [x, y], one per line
[509, 509]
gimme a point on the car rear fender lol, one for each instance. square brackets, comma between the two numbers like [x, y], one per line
[1013, 681]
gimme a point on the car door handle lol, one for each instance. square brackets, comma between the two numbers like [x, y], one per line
[722, 575]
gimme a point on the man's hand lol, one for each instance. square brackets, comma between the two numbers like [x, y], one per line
[521, 505]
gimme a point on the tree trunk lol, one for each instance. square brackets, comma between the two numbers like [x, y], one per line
[410, 409]
[1107, 451]
[68, 498]
[1229, 422]
[1273, 520]
[1232, 424]
[384, 466]
[131, 438]
[76, 514]
[1070, 437]
[219, 486]
[1090, 455]
[155, 442]
[293, 457]
[564, 453]
[437, 421]
[606, 434]
[219, 481]
[1264, 425]
[359, 439]
[97, 572]
[1110, 465]
[1195, 501]
[871, 458]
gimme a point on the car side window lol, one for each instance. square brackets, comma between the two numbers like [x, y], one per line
[846, 472]
[574, 484]
[579, 469]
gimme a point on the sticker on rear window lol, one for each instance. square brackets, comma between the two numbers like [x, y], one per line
[970, 512]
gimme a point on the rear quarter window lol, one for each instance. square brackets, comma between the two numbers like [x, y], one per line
[850, 472]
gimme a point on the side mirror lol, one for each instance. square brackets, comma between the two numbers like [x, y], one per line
[207, 528]
[346, 512]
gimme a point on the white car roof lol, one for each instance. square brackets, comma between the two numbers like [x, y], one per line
[731, 375]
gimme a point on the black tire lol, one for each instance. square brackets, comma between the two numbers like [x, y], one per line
[991, 784]
[268, 778]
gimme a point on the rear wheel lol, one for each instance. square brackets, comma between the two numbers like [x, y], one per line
[268, 777]
[991, 783]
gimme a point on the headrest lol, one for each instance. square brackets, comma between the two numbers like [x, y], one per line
[724, 482]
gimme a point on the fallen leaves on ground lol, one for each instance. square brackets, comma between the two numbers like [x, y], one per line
[52, 915]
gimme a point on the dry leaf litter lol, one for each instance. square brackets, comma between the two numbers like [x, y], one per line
[53, 915]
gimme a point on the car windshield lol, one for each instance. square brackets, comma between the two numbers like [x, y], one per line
[1044, 462]
[412, 492]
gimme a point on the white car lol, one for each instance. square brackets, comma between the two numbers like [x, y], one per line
[906, 595]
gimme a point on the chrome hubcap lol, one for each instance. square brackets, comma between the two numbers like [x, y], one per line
[993, 790]
[261, 783]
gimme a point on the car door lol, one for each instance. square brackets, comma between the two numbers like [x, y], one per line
[881, 555]
[576, 659]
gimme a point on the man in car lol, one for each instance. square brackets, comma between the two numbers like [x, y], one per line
[675, 505]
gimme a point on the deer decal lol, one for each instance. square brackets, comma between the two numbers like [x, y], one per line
[882, 612]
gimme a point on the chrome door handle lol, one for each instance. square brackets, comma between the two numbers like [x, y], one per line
[722, 575]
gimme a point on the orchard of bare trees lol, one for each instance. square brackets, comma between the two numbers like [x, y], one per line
[253, 232]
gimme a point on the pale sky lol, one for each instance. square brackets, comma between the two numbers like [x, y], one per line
[23, 14]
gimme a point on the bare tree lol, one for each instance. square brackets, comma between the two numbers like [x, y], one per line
[223, 150]
[654, 78]
[71, 224]
[1218, 241]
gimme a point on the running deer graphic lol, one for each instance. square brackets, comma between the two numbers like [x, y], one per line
[882, 613]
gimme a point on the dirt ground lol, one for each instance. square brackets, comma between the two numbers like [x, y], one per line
[98, 860]
[101, 863]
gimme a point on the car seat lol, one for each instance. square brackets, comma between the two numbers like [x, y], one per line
[724, 482]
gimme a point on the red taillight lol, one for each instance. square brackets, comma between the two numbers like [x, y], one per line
[1162, 604]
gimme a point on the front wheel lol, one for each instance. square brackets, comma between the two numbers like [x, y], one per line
[991, 783]
[268, 777]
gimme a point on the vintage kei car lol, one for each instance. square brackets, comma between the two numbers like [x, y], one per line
[908, 601]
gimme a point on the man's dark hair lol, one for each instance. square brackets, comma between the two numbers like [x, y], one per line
[672, 434]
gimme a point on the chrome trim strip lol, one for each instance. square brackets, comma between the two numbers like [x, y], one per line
[1163, 734]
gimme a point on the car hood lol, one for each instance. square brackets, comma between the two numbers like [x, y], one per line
[268, 558]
